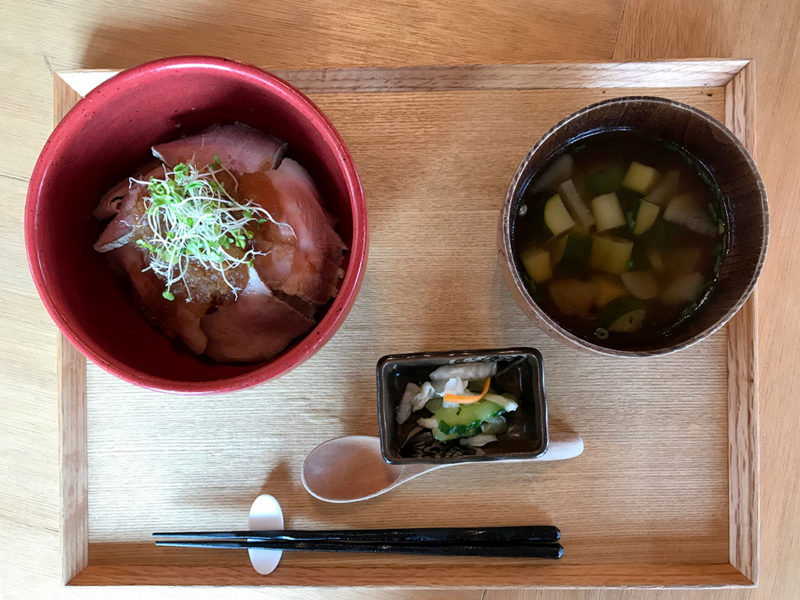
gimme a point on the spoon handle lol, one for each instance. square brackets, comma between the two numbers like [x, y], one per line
[563, 446]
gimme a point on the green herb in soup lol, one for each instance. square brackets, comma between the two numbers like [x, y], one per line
[620, 237]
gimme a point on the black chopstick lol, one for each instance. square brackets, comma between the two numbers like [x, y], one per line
[429, 535]
[513, 550]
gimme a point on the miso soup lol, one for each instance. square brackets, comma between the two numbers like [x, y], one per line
[620, 237]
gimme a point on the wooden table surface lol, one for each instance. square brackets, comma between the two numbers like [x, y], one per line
[40, 36]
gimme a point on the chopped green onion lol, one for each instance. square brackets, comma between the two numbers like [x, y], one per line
[630, 220]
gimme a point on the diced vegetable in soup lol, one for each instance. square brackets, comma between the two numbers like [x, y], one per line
[623, 241]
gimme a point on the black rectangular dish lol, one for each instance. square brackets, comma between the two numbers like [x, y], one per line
[519, 373]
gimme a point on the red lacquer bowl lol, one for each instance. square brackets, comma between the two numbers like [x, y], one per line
[102, 140]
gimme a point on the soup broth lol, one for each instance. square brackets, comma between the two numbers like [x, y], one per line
[620, 237]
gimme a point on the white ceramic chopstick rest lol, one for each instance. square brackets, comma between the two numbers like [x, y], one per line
[265, 513]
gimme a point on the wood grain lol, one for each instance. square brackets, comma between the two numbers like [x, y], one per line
[73, 451]
[743, 430]
[73, 456]
[126, 448]
[689, 73]
[495, 576]
[682, 73]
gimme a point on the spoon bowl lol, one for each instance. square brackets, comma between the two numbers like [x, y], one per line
[351, 468]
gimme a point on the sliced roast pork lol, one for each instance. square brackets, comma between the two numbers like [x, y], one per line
[120, 202]
[255, 327]
[297, 271]
[303, 261]
[175, 319]
[239, 148]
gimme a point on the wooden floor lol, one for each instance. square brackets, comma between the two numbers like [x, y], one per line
[39, 36]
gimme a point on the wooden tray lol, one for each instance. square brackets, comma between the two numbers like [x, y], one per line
[666, 493]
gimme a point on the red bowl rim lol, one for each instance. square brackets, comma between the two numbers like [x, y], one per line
[354, 273]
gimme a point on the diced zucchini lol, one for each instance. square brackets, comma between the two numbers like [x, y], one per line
[629, 322]
[640, 284]
[575, 251]
[623, 315]
[646, 215]
[608, 289]
[665, 188]
[684, 289]
[537, 263]
[575, 204]
[559, 171]
[639, 178]
[573, 297]
[606, 181]
[556, 217]
[610, 254]
[607, 212]
[683, 210]
[557, 248]
[639, 260]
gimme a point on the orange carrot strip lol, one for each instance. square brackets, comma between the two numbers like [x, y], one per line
[457, 399]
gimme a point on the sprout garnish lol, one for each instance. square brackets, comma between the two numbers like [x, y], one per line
[192, 217]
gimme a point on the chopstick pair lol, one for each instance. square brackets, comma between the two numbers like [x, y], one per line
[521, 542]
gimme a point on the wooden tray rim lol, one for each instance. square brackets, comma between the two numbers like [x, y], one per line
[738, 79]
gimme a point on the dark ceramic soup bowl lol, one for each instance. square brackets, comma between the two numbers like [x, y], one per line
[104, 138]
[709, 143]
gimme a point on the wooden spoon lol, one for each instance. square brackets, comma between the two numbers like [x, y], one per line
[351, 468]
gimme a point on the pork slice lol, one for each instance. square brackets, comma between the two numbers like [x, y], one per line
[240, 148]
[120, 202]
[111, 201]
[305, 308]
[175, 318]
[304, 261]
[256, 327]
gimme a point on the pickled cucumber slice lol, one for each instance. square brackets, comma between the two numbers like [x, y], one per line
[467, 414]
